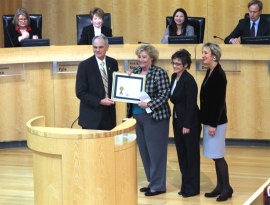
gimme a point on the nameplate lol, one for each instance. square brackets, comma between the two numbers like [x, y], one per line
[130, 64]
[226, 65]
[65, 67]
[11, 69]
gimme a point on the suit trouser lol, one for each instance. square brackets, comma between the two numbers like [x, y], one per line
[152, 138]
[188, 152]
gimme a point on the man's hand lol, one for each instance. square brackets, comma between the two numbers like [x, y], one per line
[235, 41]
[106, 102]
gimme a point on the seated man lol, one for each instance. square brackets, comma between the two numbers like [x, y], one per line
[253, 26]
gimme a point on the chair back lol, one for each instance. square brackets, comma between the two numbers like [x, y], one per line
[84, 20]
[35, 22]
[197, 22]
[263, 16]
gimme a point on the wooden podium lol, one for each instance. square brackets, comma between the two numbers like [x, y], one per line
[83, 167]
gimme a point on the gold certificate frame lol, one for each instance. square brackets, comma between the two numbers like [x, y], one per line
[127, 88]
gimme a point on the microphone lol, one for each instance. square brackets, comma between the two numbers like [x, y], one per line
[140, 42]
[74, 122]
[219, 38]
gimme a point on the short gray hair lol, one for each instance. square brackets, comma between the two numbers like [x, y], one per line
[102, 36]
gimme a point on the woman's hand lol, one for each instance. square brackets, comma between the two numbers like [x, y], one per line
[35, 36]
[185, 131]
[128, 72]
[212, 131]
[25, 34]
[143, 105]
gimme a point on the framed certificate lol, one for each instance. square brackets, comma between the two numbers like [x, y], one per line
[127, 88]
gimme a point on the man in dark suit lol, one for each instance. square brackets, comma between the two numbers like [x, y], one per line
[93, 87]
[96, 28]
[252, 26]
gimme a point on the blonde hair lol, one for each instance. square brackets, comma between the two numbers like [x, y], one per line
[215, 50]
[150, 50]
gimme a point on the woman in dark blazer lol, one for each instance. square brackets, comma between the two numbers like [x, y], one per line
[214, 119]
[96, 28]
[21, 29]
[186, 123]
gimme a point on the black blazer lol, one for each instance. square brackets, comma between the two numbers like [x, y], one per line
[90, 90]
[213, 98]
[88, 34]
[243, 29]
[184, 98]
[13, 35]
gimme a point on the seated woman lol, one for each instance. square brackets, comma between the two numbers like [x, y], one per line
[21, 29]
[179, 26]
[96, 28]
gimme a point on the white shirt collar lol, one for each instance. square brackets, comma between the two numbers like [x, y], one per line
[256, 22]
[97, 31]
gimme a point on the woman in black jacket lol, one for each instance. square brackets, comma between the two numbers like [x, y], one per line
[186, 123]
[21, 28]
[214, 118]
[96, 28]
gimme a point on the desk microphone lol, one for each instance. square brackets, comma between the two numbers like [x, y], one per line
[140, 42]
[74, 122]
[218, 38]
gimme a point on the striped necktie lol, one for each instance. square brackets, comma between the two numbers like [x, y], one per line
[104, 78]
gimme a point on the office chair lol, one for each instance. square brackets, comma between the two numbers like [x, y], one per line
[84, 20]
[35, 22]
[197, 22]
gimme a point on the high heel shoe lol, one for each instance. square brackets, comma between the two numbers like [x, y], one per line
[213, 193]
[225, 195]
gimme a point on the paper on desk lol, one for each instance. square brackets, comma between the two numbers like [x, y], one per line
[144, 97]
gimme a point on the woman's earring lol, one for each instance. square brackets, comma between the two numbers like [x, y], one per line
[214, 58]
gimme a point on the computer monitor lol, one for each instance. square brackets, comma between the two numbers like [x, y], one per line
[35, 42]
[256, 40]
[182, 40]
[116, 40]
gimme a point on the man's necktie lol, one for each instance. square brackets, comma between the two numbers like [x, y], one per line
[252, 30]
[104, 78]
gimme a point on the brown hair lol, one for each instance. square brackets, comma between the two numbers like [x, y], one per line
[96, 11]
[254, 2]
[20, 11]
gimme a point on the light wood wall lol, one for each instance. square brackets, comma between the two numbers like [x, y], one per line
[136, 20]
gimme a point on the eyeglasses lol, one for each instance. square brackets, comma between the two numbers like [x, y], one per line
[23, 19]
[176, 64]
